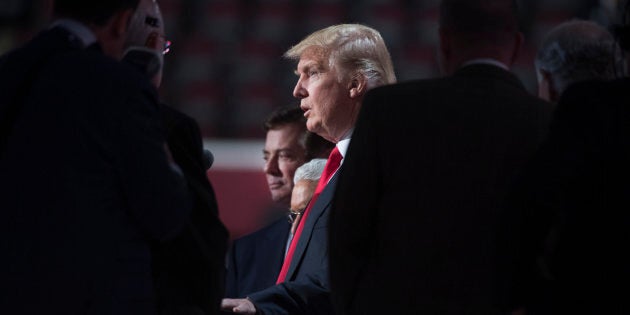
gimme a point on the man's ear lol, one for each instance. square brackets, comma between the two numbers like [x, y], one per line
[120, 23]
[546, 87]
[519, 39]
[358, 85]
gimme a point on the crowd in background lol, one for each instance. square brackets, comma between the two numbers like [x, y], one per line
[226, 67]
[459, 193]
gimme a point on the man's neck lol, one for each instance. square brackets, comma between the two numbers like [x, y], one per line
[485, 61]
[78, 29]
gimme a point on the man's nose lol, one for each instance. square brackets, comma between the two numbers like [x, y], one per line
[271, 166]
[299, 91]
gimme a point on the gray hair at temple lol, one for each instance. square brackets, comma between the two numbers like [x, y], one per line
[355, 48]
[311, 170]
[577, 51]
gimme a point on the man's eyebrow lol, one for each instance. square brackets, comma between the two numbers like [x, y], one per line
[307, 66]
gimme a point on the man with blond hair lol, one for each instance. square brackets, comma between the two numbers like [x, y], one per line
[336, 67]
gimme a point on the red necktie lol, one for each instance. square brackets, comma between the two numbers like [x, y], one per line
[334, 160]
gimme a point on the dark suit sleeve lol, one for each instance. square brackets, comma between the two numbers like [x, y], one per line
[158, 200]
[189, 269]
[307, 295]
[184, 140]
[353, 213]
[231, 277]
[533, 206]
[309, 291]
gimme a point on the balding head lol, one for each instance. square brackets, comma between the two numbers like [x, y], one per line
[107, 19]
[575, 51]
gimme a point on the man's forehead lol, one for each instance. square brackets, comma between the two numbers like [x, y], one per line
[314, 55]
[305, 184]
[286, 135]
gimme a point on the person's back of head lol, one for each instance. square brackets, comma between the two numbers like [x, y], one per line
[473, 29]
[94, 12]
[284, 116]
[621, 29]
[108, 19]
[575, 51]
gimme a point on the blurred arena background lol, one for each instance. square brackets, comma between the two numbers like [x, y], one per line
[226, 69]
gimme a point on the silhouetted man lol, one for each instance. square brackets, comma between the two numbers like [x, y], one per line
[413, 224]
[77, 220]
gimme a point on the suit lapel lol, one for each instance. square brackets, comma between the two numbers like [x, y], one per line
[321, 204]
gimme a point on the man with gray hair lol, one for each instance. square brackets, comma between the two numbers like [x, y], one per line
[304, 185]
[575, 51]
[188, 270]
[336, 67]
[82, 245]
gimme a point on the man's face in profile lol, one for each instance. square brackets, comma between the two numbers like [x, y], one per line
[324, 95]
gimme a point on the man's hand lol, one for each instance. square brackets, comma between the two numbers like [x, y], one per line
[239, 306]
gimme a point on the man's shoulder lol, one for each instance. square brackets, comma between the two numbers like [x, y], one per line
[410, 86]
[276, 229]
[174, 118]
[406, 94]
[94, 65]
[592, 100]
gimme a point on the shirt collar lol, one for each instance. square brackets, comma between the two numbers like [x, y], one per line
[78, 29]
[342, 146]
[486, 61]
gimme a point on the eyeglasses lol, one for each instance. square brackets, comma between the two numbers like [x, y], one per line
[157, 41]
[167, 46]
[294, 214]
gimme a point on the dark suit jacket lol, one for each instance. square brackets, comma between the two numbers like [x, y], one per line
[306, 289]
[85, 184]
[414, 216]
[255, 260]
[570, 208]
[189, 270]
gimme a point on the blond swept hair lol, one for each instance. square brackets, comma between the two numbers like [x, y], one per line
[355, 48]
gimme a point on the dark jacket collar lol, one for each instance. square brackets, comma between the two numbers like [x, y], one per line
[486, 70]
